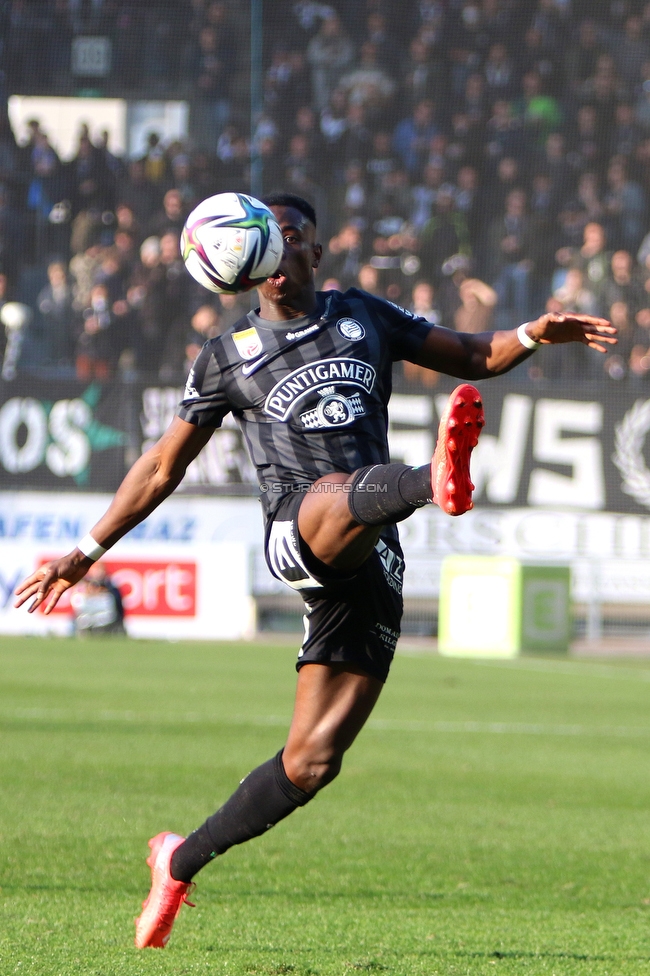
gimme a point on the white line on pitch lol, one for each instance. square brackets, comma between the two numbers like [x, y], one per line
[573, 668]
[378, 724]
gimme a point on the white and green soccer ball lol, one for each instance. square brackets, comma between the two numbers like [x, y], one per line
[231, 242]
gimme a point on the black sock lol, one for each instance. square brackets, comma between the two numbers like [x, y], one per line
[265, 797]
[385, 493]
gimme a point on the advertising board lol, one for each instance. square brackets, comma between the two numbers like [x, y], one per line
[194, 567]
[183, 573]
[576, 448]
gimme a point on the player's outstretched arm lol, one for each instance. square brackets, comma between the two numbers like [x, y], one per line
[476, 357]
[152, 478]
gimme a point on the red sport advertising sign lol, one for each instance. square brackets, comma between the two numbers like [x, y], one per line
[151, 588]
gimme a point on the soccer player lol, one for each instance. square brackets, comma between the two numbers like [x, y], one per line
[308, 377]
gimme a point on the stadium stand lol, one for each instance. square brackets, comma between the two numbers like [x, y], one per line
[503, 143]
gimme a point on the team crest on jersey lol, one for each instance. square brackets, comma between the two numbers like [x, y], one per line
[333, 410]
[350, 329]
[247, 343]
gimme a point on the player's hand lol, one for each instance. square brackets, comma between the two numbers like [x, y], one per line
[556, 327]
[51, 580]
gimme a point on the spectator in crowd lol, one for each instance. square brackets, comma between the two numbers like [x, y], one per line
[368, 280]
[540, 112]
[639, 361]
[474, 103]
[413, 135]
[154, 160]
[603, 90]
[499, 72]
[97, 606]
[627, 132]
[171, 217]
[381, 163]
[342, 258]
[425, 194]
[83, 268]
[356, 142]
[56, 311]
[145, 296]
[205, 325]
[181, 175]
[574, 295]
[285, 82]
[93, 185]
[477, 303]
[96, 350]
[333, 126]
[617, 365]
[509, 247]
[466, 195]
[588, 148]
[420, 73]
[555, 164]
[591, 258]
[329, 54]
[581, 59]
[138, 192]
[622, 285]
[539, 55]
[213, 66]
[503, 133]
[632, 50]
[174, 293]
[625, 205]
[232, 307]
[444, 234]
[423, 302]
[642, 103]
[368, 84]
[465, 302]
[496, 190]
[589, 198]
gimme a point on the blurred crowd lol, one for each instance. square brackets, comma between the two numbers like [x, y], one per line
[154, 46]
[477, 161]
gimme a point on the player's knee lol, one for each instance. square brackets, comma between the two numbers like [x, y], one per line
[312, 772]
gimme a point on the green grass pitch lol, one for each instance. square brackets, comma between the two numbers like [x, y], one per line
[492, 818]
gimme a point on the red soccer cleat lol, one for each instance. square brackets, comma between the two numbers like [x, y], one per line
[154, 926]
[458, 433]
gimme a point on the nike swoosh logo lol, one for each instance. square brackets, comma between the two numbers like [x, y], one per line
[248, 368]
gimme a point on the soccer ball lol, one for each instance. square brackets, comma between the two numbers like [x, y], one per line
[231, 242]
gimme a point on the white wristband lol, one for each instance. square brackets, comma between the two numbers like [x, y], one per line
[90, 548]
[525, 339]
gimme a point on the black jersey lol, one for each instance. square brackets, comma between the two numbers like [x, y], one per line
[310, 394]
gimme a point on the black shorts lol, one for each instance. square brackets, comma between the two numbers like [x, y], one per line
[352, 619]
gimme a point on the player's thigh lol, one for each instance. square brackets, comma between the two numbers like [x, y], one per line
[326, 524]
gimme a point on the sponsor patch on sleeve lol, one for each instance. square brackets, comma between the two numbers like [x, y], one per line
[248, 343]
